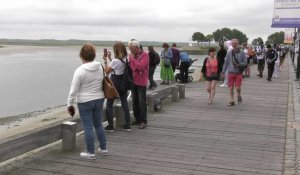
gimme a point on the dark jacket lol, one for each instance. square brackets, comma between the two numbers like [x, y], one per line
[273, 55]
[221, 56]
[203, 70]
[176, 56]
[152, 57]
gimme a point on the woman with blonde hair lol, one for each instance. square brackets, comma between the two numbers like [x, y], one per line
[86, 90]
[116, 68]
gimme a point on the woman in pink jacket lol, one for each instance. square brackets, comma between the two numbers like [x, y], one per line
[139, 63]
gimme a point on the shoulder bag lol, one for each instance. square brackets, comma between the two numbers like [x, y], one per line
[110, 92]
[236, 62]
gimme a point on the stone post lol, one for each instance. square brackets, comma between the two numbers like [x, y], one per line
[181, 90]
[174, 93]
[150, 101]
[68, 133]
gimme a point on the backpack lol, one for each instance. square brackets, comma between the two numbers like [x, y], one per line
[156, 58]
[127, 77]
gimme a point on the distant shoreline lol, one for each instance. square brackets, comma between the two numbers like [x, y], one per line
[72, 42]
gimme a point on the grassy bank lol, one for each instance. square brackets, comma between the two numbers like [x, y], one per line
[1, 46]
[196, 50]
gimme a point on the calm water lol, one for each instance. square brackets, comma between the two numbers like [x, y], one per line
[40, 78]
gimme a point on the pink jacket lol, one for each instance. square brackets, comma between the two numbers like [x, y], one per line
[140, 68]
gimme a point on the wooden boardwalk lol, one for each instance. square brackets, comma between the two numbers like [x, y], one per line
[189, 137]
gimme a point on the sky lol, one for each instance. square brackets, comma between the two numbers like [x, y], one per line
[154, 20]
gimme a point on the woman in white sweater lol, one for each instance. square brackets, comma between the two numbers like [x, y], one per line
[86, 90]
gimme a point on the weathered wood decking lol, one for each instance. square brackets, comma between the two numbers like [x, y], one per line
[190, 137]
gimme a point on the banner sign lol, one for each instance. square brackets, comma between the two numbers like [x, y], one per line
[289, 36]
[286, 14]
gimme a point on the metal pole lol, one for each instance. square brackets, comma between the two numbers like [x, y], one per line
[298, 60]
[293, 56]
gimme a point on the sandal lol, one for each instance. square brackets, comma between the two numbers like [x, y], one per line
[231, 103]
[240, 99]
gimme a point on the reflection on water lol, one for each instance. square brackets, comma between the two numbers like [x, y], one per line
[37, 79]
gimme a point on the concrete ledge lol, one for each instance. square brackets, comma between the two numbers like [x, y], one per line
[28, 141]
[23, 143]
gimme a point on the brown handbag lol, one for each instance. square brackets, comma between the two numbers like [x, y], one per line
[110, 92]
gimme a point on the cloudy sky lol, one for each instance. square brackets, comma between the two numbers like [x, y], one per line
[155, 20]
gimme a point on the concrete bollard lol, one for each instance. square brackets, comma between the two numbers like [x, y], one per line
[150, 101]
[181, 90]
[174, 93]
[119, 115]
[68, 133]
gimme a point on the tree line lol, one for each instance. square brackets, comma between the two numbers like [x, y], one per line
[224, 34]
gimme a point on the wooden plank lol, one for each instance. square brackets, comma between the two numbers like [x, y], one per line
[191, 137]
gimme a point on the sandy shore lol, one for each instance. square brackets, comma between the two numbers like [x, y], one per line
[16, 125]
[12, 49]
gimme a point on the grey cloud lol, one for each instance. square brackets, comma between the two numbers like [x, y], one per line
[62, 20]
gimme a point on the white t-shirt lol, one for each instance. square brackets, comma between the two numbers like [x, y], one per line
[118, 66]
[260, 57]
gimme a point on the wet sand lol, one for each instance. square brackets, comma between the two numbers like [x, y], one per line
[19, 124]
[13, 49]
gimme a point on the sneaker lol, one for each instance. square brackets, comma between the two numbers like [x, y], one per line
[87, 155]
[231, 103]
[126, 128]
[109, 128]
[223, 85]
[103, 152]
[135, 123]
[154, 87]
[142, 126]
[239, 99]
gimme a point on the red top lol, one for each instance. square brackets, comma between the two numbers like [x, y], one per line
[211, 67]
[140, 68]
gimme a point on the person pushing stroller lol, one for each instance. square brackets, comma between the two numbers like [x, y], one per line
[185, 63]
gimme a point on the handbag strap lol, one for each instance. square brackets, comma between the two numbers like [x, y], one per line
[123, 60]
[104, 74]
[235, 58]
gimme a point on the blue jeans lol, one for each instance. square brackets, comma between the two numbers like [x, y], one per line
[139, 103]
[109, 109]
[90, 114]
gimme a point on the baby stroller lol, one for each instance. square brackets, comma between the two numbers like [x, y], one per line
[190, 78]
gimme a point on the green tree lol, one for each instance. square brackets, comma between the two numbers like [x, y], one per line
[267, 43]
[198, 36]
[222, 35]
[276, 38]
[239, 35]
[258, 41]
[209, 38]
